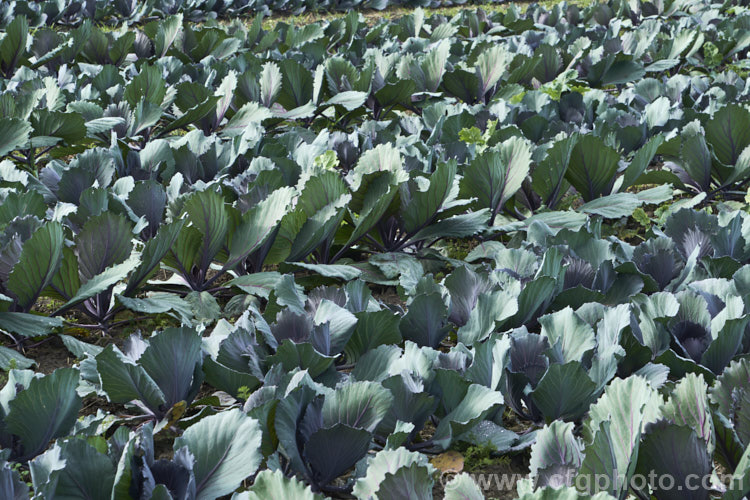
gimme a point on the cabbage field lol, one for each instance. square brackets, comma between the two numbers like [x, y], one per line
[374, 257]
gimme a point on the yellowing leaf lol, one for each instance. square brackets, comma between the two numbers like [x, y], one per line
[450, 461]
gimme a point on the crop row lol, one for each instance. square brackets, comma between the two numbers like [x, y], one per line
[66, 13]
[568, 327]
[556, 197]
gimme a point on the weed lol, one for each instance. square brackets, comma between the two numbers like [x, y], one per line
[477, 457]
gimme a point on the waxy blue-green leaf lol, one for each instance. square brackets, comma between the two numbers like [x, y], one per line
[100, 283]
[147, 86]
[168, 31]
[569, 379]
[677, 451]
[28, 325]
[332, 450]
[728, 132]
[426, 321]
[208, 213]
[627, 406]
[13, 45]
[45, 410]
[104, 241]
[260, 284]
[273, 484]
[124, 381]
[222, 461]
[14, 133]
[172, 360]
[10, 358]
[475, 405]
[387, 463]
[270, 83]
[424, 205]
[592, 167]
[495, 176]
[361, 405]
[78, 470]
[248, 117]
[40, 259]
[257, 225]
[11, 486]
[153, 251]
[613, 206]
[556, 451]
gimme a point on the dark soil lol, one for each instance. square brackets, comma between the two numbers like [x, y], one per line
[389, 296]
[50, 354]
[496, 480]
[92, 403]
